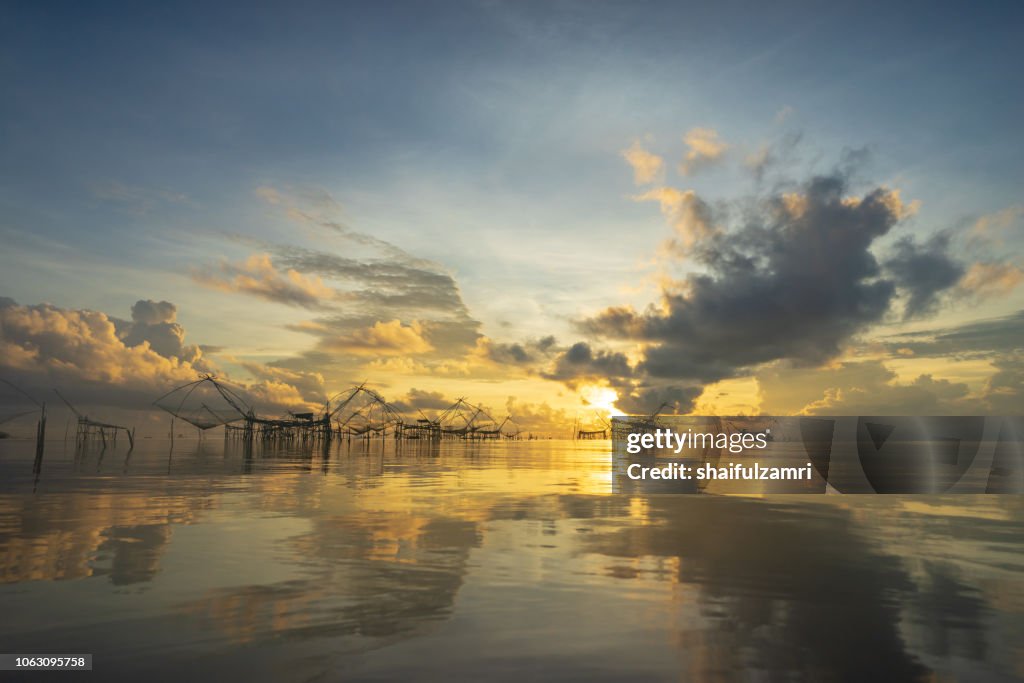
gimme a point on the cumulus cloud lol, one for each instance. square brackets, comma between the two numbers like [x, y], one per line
[690, 216]
[796, 281]
[98, 360]
[704, 148]
[280, 394]
[923, 272]
[1004, 390]
[859, 388]
[526, 352]
[307, 385]
[149, 312]
[789, 276]
[42, 346]
[580, 363]
[537, 418]
[340, 338]
[647, 167]
[258, 276]
[667, 398]
[154, 323]
[421, 401]
[391, 338]
[925, 395]
[856, 387]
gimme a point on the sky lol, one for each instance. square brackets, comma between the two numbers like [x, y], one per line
[556, 209]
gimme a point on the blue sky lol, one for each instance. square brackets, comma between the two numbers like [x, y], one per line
[484, 137]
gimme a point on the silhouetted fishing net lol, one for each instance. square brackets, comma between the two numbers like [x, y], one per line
[15, 403]
[205, 403]
[462, 417]
[362, 411]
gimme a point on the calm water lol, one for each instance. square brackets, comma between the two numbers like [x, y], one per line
[503, 561]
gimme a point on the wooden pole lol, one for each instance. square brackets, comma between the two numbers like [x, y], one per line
[40, 440]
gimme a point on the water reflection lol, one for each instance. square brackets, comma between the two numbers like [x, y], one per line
[786, 593]
[949, 613]
[131, 554]
[362, 561]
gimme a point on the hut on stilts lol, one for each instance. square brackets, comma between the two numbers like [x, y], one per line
[600, 429]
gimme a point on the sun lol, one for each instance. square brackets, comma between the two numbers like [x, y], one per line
[601, 399]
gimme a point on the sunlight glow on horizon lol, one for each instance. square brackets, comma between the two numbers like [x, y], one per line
[602, 399]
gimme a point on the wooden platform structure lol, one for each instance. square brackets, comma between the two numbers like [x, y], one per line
[360, 412]
[90, 430]
[638, 423]
[597, 429]
[466, 421]
[356, 413]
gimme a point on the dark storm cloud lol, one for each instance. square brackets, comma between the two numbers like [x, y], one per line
[795, 281]
[509, 353]
[648, 399]
[923, 272]
[522, 353]
[581, 362]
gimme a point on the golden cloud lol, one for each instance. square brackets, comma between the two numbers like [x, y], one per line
[687, 213]
[82, 345]
[705, 148]
[392, 338]
[991, 279]
[258, 276]
[646, 166]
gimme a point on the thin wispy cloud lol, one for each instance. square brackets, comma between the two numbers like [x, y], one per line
[704, 148]
[647, 167]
